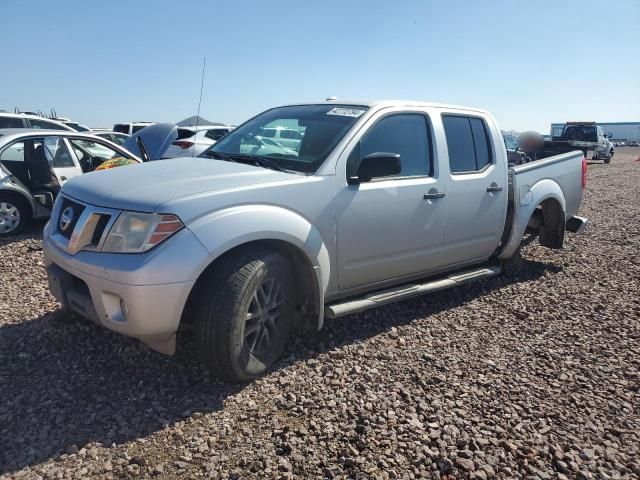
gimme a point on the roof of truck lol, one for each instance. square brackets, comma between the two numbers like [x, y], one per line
[390, 103]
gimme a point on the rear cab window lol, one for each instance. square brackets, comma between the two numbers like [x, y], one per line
[468, 143]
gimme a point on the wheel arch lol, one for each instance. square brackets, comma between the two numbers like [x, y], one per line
[544, 198]
[232, 230]
[22, 195]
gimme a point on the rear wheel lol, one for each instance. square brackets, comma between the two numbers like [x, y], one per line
[245, 314]
[15, 214]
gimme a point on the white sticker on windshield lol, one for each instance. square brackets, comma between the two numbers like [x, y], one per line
[346, 112]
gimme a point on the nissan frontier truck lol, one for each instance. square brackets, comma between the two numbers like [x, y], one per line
[379, 202]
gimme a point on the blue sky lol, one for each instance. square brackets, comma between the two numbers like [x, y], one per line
[528, 62]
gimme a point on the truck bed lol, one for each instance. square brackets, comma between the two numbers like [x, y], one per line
[555, 181]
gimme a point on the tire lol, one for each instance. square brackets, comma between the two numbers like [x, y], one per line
[609, 157]
[245, 314]
[15, 214]
[512, 266]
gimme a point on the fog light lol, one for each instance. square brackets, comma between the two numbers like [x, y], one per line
[123, 308]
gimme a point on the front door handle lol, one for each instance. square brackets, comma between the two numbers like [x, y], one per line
[430, 195]
[63, 178]
[494, 188]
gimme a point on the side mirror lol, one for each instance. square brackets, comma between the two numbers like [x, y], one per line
[377, 165]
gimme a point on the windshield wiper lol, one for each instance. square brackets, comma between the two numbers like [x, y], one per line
[259, 162]
[249, 159]
[218, 156]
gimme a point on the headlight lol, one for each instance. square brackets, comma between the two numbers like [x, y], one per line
[136, 232]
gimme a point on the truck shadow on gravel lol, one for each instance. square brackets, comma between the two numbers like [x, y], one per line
[65, 383]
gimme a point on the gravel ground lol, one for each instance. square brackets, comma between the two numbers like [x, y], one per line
[535, 377]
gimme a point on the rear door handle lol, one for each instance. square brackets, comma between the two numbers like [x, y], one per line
[430, 195]
[494, 189]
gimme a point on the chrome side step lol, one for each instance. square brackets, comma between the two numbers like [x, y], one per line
[404, 292]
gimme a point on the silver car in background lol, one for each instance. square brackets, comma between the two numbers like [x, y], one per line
[34, 164]
[192, 141]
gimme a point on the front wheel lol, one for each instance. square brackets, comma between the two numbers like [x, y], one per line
[245, 314]
[15, 214]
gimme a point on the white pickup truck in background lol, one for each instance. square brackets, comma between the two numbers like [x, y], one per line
[378, 202]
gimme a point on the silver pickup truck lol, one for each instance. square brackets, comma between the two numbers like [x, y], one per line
[379, 202]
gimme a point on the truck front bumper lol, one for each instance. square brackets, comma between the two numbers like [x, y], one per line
[125, 296]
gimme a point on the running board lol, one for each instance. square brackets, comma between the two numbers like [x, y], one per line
[404, 292]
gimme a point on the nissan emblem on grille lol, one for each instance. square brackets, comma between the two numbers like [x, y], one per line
[66, 218]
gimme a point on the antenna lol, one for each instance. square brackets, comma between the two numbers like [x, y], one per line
[193, 151]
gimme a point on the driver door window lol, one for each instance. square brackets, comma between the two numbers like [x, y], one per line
[57, 153]
[60, 159]
[92, 153]
[403, 134]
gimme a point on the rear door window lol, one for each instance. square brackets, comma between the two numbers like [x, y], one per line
[468, 143]
[45, 125]
[13, 153]
[11, 122]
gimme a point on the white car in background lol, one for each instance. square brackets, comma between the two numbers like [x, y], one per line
[192, 141]
[287, 137]
[131, 128]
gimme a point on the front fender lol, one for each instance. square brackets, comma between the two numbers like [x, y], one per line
[526, 199]
[225, 229]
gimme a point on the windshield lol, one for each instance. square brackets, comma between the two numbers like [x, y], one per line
[320, 128]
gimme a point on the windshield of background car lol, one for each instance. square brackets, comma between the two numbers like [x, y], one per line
[321, 127]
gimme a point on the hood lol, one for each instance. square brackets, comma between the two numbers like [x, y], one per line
[157, 139]
[146, 186]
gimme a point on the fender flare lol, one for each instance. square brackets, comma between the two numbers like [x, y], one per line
[526, 200]
[223, 230]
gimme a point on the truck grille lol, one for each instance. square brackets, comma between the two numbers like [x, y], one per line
[80, 226]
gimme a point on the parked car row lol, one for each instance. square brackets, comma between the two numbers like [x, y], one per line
[631, 143]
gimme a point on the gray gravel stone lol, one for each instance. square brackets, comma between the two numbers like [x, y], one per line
[532, 377]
